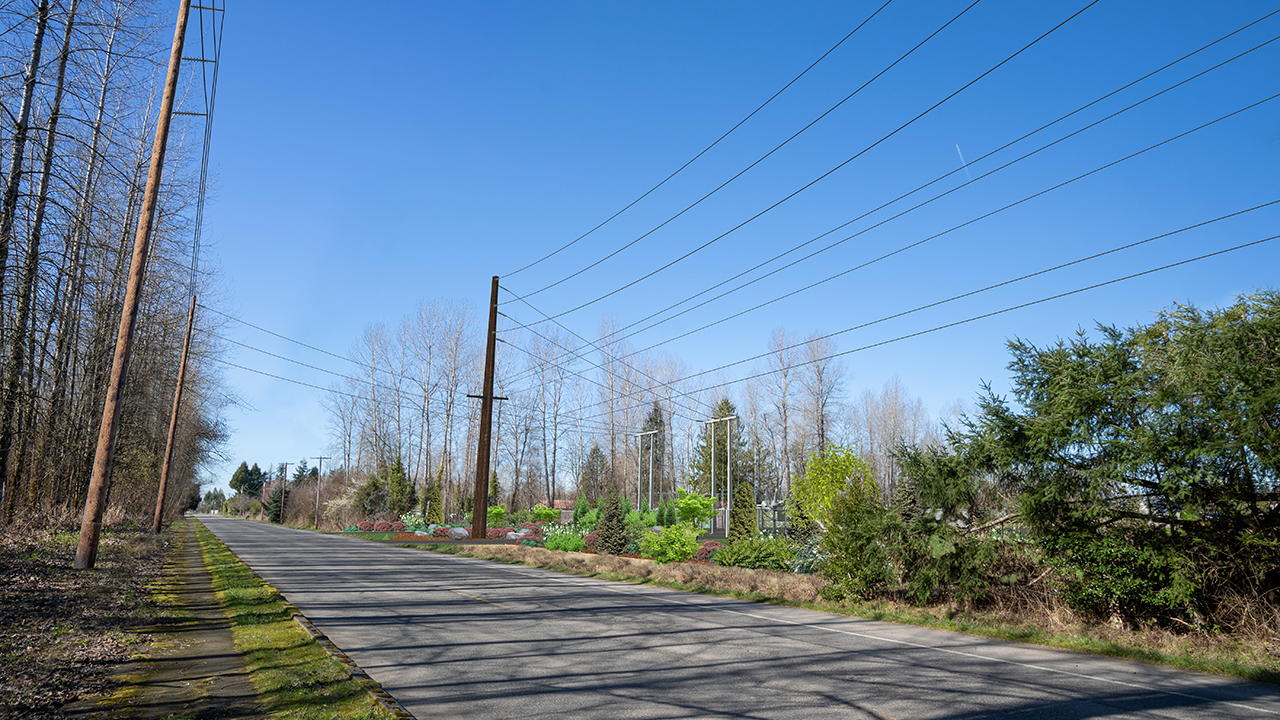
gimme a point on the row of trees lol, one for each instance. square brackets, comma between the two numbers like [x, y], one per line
[79, 81]
[592, 417]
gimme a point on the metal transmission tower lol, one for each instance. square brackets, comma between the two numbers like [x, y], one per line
[207, 63]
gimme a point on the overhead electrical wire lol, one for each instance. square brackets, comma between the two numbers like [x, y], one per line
[289, 380]
[593, 381]
[1004, 283]
[577, 355]
[595, 344]
[824, 175]
[759, 160]
[704, 151]
[999, 312]
[938, 179]
[911, 245]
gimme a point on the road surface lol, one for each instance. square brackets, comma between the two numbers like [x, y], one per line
[453, 637]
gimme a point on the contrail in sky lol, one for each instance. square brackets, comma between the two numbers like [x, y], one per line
[964, 164]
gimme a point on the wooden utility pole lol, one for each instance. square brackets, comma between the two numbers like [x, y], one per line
[173, 418]
[319, 479]
[95, 503]
[480, 512]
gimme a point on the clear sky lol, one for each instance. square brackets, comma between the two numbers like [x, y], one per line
[365, 160]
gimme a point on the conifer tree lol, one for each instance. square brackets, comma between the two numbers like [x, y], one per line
[742, 518]
[432, 507]
[611, 533]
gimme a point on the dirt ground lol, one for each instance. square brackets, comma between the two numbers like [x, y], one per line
[62, 631]
[134, 638]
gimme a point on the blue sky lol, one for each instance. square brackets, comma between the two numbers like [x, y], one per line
[365, 161]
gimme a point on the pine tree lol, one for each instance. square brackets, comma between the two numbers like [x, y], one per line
[742, 519]
[580, 507]
[611, 533]
[432, 507]
[275, 505]
[400, 495]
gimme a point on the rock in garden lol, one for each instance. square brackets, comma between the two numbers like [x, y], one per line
[458, 534]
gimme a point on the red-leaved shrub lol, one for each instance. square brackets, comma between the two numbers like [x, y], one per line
[497, 533]
[396, 526]
[589, 540]
[708, 550]
[366, 526]
[382, 526]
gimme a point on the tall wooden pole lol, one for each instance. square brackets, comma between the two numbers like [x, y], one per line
[480, 513]
[95, 503]
[173, 418]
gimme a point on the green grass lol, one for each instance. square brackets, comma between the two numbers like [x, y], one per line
[295, 678]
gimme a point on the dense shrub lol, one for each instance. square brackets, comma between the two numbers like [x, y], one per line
[755, 553]
[676, 543]
[350, 528]
[532, 542]
[589, 540]
[497, 515]
[497, 533]
[542, 514]
[366, 526]
[571, 543]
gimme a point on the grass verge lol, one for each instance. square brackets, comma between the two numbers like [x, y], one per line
[295, 677]
[1219, 654]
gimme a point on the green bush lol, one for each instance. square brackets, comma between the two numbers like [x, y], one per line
[590, 519]
[675, 543]
[694, 508]
[542, 513]
[580, 508]
[767, 553]
[497, 515]
[571, 543]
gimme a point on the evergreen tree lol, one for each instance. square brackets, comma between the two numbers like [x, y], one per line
[275, 504]
[495, 490]
[400, 495]
[594, 475]
[432, 507]
[734, 449]
[653, 451]
[580, 507]
[611, 533]
[742, 518]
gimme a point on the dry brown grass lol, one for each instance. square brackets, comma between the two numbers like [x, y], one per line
[766, 583]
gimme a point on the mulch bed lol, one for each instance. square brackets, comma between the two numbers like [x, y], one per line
[62, 630]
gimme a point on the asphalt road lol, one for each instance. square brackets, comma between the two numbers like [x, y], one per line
[454, 637]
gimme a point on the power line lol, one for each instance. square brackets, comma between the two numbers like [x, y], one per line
[289, 380]
[944, 194]
[595, 344]
[566, 368]
[826, 174]
[991, 287]
[1003, 311]
[759, 160]
[358, 381]
[704, 150]
[282, 337]
[911, 245]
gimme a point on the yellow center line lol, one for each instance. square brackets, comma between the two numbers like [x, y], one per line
[473, 597]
